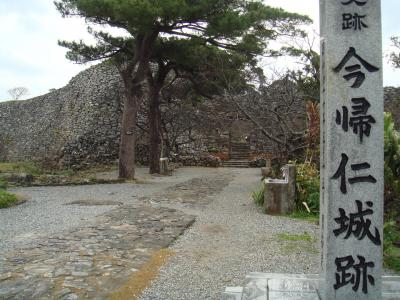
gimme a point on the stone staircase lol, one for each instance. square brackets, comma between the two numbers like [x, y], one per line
[239, 156]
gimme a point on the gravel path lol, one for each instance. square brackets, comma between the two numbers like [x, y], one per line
[49, 210]
[229, 239]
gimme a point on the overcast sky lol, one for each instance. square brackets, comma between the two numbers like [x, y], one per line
[30, 56]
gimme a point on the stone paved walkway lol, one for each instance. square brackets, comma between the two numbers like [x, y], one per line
[231, 238]
[93, 259]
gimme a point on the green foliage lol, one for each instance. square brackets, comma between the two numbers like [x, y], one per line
[189, 34]
[392, 159]
[7, 199]
[308, 174]
[307, 187]
[258, 196]
[391, 252]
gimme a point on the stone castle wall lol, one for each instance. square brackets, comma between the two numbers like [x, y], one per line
[75, 124]
[79, 124]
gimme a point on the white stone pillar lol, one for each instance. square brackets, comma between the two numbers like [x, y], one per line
[351, 149]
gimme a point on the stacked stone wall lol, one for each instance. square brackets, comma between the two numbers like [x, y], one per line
[76, 124]
[79, 124]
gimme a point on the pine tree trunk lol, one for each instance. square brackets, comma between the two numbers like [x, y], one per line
[154, 117]
[128, 135]
[133, 75]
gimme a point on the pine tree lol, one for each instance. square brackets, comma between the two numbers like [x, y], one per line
[237, 27]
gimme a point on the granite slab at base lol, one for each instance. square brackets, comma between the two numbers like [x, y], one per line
[233, 293]
[276, 286]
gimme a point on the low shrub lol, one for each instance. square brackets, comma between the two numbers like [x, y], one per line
[307, 188]
[258, 196]
[7, 199]
[392, 160]
[391, 250]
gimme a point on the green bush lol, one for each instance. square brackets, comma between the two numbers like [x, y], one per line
[258, 196]
[7, 199]
[391, 253]
[307, 187]
[392, 159]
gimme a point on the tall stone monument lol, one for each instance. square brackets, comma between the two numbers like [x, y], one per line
[351, 150]
[352, 158]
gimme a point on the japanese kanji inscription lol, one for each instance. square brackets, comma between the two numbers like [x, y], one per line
[351, 149]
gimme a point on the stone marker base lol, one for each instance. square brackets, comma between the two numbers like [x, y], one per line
[273, 286]
[164, 166]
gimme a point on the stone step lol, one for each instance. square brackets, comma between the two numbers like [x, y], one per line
[240, 157]
[240, 152]
[245, 148]
[232, 166]
[239, 143]
[236, 163]
[233, 149]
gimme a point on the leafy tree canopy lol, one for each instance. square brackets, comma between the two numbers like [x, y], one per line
[236, 25]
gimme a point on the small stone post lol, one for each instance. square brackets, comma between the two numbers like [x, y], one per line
[164, 166]
[351, 150]
[291, 177]
[279, 194]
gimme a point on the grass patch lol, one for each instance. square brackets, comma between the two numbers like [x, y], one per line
[21, 167]
[295, 237]
[297, 243]
[301, 215]
[258, 196]
[10, 175]
[7, 199]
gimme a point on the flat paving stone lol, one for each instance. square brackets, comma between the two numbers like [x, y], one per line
[89, 261]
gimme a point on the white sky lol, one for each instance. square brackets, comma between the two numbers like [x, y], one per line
[30, 56]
